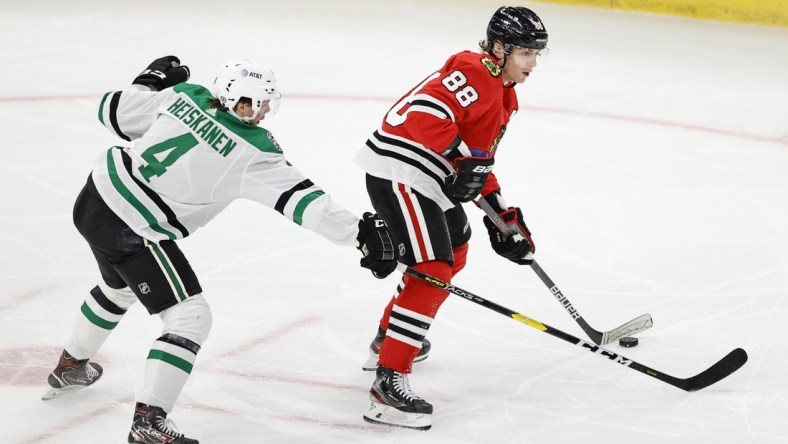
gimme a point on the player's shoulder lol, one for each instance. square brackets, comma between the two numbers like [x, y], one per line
[197, 92]
[481, 67]
[256, 136]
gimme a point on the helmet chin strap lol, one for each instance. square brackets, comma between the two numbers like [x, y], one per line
[505, 55]
[507, 49]
[505, 52]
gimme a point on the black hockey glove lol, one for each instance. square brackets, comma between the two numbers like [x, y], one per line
[374, 241]
[518, 247]
[467, 182]
[163, 73]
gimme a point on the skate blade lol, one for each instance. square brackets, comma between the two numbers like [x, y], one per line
[390, 416]
[371, 364]
[53, 393]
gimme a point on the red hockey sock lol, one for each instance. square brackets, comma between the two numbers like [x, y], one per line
[384, 320]
[411, 316]
[460, 255]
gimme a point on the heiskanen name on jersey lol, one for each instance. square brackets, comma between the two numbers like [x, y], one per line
[186, 169]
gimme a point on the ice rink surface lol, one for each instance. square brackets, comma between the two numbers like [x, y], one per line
[649, 157]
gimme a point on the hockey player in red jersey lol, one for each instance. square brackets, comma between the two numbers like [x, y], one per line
[434, 151]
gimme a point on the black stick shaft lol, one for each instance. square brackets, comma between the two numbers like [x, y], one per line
[634, 326]
[724, 367]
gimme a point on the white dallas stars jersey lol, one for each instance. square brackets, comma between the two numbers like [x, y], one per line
[188, 162]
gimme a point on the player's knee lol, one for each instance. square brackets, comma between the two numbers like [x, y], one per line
[191, 319]
[460, 256]
[438, 269]
[123, 298]
[421, 297]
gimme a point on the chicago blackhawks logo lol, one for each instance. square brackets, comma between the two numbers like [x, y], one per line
[494, 69]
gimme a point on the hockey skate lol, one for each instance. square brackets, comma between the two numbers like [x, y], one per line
[395, 404]
[374, 351]
[71, 375]
[151, 426]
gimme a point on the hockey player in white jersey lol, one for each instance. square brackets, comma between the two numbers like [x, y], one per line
[194, 152]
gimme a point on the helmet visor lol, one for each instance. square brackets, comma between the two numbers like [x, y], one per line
[540, 56]
[273, 102]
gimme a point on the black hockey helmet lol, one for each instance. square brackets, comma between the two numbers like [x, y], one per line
[516, 26]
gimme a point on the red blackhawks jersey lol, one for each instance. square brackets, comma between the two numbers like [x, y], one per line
[466, 98]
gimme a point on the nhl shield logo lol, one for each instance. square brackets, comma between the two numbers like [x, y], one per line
[402, 250]
[144, 288]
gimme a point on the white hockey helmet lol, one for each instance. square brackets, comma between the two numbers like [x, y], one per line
[245, 78]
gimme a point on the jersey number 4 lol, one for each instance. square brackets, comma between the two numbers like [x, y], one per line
[454, 82]
[176, 147]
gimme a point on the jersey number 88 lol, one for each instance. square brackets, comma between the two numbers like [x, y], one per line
[454, 82]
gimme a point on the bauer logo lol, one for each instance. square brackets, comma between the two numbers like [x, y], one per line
[565, 302]
[537, 24]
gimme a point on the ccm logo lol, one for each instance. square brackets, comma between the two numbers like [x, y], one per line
[482, 169]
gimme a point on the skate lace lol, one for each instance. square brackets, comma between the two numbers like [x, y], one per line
[402, 386]
[167, 426]
[91, 371]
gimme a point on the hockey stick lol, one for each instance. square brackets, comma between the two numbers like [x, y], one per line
[636, 325]
[724, 367]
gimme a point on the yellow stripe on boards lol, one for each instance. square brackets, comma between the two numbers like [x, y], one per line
[763, 12]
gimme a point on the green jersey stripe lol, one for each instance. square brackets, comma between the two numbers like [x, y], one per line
[101, 108]
[173, 277]
[298, 213]
[120, 187]
[171, 359]
[96, 319]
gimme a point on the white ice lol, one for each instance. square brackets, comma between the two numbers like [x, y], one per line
[650, 159]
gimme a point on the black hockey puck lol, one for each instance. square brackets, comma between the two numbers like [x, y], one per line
[628, 342]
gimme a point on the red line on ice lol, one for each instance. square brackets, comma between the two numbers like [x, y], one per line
[631, 119]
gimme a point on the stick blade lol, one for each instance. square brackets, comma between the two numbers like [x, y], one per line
[722, 369]
[640, 323]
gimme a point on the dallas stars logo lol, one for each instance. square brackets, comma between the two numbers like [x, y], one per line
[491, 66]
[274, 142]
